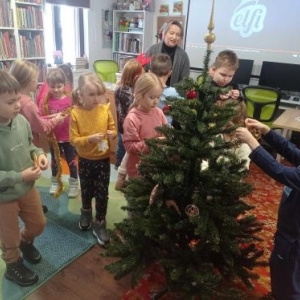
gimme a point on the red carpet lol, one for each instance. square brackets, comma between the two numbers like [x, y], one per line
[265, 197]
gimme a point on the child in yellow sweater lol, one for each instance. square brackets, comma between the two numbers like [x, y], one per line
[92, 127]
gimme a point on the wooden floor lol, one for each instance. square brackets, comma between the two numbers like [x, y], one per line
[84, 279]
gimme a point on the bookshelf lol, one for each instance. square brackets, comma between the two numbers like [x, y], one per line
[132, 33]
[22, 33]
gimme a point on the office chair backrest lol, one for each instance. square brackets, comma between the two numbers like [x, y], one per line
[262, 103]
[106, 70]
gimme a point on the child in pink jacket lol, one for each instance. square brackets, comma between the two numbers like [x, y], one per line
[142, 119]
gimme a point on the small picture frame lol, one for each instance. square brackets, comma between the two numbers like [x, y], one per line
[164, 10]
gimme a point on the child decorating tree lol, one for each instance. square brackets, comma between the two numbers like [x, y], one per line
[284, 267]
[92, 128]
[142, 119]
[222, 72]
[21, 163]
[161, 66]
[124, 98]
[59, 101]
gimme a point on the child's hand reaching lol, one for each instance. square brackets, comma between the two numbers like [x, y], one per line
[31, 174]
[246, 135]
[254, 124]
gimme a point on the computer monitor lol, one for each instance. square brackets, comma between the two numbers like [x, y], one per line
[243, 73]
[283, 76]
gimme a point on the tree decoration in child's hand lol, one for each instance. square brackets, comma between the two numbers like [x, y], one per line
[53, 142]
[35, 160]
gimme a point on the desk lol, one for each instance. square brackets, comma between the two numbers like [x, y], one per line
[288, 120]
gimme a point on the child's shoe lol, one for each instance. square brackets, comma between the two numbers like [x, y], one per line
[20, 274]
[73, 188]
[85, 222]
[30, 253]
[121, 182]
[54, 186]
[99, 231]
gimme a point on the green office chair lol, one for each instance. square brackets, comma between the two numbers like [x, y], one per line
[262, 103]
[106, 70]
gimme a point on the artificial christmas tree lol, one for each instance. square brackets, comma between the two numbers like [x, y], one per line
[191, 220]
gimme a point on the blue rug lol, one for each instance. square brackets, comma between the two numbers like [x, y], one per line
[60, 243]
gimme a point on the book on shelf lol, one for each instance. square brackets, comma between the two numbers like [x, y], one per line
[80, 63]
[29, 17]
[127, 42]
[6, 14]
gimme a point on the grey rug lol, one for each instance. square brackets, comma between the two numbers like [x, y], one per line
[60, 243]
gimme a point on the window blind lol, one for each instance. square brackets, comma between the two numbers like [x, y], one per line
[77, 3]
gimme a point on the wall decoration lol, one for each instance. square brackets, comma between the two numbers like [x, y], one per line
[164, 10]
[177, 8]
[107, 28]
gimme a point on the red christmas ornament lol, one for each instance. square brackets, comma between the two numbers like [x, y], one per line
[192, 94]
[167, 108]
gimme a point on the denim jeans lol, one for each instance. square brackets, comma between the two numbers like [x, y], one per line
[120, 152]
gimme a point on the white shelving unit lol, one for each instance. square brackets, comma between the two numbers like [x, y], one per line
[22, 33]
[132, 33]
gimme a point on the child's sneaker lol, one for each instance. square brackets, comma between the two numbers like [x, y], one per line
[20, 274]
[99, 231]
[30, 253]
[85, 222]
[54, 186]
[121, 182]
[73, 188]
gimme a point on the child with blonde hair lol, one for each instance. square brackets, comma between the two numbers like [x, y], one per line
[142, 119]
[27, 74]
[92, 127]
[58, 100]
[124, 98]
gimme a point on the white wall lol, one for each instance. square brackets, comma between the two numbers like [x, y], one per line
[93, 31]
[93, 25]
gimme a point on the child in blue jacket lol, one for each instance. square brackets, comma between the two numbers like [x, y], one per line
[285, 257]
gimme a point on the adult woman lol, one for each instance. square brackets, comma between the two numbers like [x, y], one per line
[172, 35]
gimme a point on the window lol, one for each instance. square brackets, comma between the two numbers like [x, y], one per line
[64, 32]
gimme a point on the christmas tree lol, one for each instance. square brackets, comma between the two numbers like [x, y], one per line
[191, 220]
